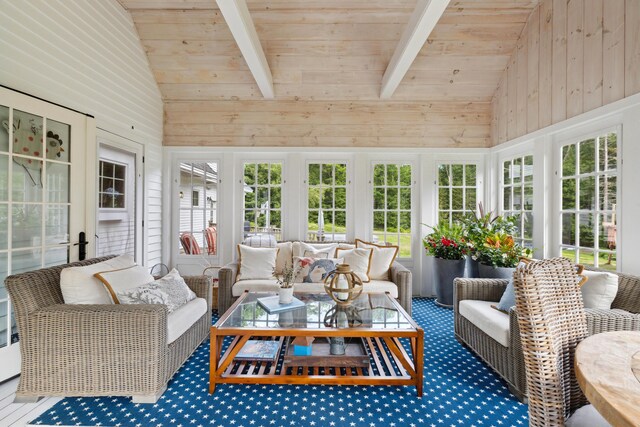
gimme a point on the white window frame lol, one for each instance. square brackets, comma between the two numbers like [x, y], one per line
[348, 209]
[282, 187]
[522, 211]
[414, 207]
[478, 186]
[558, 211]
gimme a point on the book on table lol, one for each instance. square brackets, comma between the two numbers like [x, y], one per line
[259, 351]
[272, 304]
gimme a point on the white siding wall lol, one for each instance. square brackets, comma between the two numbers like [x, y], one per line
[86, 55]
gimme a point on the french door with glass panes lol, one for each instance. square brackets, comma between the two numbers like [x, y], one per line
[42, 198]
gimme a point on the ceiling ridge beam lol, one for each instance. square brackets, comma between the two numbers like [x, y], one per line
[236, 14]
[423, 19]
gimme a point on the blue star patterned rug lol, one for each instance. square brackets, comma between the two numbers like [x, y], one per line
[459, 390]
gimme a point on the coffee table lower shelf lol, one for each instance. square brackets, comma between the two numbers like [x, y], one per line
[390, 364]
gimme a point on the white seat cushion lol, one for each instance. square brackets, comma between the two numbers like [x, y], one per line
[489, 320]
[587, 416]
[272, 286]
[180, 320]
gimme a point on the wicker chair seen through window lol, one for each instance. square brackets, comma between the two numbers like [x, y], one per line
[552, 322]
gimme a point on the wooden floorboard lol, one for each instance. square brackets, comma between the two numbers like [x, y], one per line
[19, 414]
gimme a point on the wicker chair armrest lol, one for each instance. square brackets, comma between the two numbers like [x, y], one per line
[401, 276]
[226, 279]
[599, 320]
[201, 286]
[478, 289]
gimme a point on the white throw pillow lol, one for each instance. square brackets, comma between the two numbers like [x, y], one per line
[116, 281]
[314, 270]
[285, 256]
[316, 250]
[79, 286]
[359, 260]
[170, 290]
[382, 259]
[256, 263]
[599, 290]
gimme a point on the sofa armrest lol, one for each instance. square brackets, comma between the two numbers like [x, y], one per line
[94, 342]
[201, 286]
[611, 320]
[226, 278]
[402, 278]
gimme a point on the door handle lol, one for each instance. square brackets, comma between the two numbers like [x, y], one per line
[82, 246]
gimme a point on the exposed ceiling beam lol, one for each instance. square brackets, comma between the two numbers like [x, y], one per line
[236, 14]
[423, 19]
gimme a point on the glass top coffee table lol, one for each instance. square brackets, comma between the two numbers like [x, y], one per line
[371, 326]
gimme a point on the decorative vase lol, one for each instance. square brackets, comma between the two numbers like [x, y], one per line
[343, 285]
[472, 268]
[491, 272]
[446, 271]
[285, 295]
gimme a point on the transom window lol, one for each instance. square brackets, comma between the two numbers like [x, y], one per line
[457, 193]
[327, 201]
[517, 196]
[392, 206]
[263, 199]
[111, 193]
[589, 184]
[198, 218]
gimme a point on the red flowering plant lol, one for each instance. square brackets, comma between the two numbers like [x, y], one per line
[446, 241]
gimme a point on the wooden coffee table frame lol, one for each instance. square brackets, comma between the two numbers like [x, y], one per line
[392, 363]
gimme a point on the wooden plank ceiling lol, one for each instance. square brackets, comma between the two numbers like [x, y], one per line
[327, 59]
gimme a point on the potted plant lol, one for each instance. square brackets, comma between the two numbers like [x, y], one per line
[499, 255]
[447, 245]
[285, 294]
[477, 227]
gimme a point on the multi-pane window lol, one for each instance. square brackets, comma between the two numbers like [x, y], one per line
[456, 191]
[198, 218]
[392, 206]
[517, 196]
[112, 184]
[589, 184]
[327, 201]
[263, 199]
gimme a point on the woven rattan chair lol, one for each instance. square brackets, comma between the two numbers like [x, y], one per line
[96, 349]
[508, 361]
[552, 322]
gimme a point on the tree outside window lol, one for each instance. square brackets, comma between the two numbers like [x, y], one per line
[392, 206]
[589, 185]
[457, 193]
[263, 199]
[517, 196]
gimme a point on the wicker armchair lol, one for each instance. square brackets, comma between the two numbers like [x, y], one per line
[552, 322]
[508, 361]
[96, 350]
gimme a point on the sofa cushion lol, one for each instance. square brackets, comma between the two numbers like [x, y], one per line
[272, 286]
[381, 260]
[599, 290]
[179, 321]
[256, 263]
[314, 250]
[170, 290]
[124, 279]
[79, 286]
[489, 320]
[314, 269]
[285, 256]
[359, 260]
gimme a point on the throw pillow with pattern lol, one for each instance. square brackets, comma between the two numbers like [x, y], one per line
[170, 290]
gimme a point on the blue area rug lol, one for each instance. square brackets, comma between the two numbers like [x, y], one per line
[459, 390]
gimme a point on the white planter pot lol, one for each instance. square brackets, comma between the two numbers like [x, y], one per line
[285, 295]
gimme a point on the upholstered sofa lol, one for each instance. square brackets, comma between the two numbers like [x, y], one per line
[495, 336]
[399, 284]
[101, 349]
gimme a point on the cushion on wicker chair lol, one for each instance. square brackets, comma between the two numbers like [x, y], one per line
[489, 320]
[124, 279]
[599, 290]
[587, 416]
[179, 321]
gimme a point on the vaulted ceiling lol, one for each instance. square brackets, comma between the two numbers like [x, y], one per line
[327, 59]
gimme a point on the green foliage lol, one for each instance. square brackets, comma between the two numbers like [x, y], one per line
[500, 250]
[446, 241]
[479, 226]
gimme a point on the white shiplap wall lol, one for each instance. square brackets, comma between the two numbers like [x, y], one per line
[86, 55]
